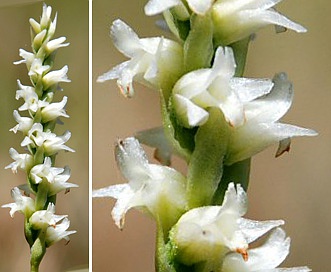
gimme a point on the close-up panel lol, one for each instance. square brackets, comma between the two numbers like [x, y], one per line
[211, 137]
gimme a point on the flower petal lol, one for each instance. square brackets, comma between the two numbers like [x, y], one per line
[154, 7]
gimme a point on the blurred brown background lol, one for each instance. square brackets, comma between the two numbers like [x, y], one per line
[15, 34]
[295, 187]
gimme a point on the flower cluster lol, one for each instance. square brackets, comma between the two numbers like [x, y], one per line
[40, 142]
[214, 118]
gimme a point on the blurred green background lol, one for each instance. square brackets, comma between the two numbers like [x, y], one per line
[295, 187]
[15, 34]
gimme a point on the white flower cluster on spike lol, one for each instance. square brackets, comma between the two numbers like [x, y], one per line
[40, 142]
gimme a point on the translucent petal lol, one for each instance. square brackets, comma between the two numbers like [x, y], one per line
[272, 253]
[274, 105]
[272, 17]
[132, 160]
[154, 7]
[155, 137]
[114, 72]
[252, 138]
[253, 230]
[200, 7]
[125, 39]
[249, 89]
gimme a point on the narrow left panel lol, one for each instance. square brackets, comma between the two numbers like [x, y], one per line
[44, 160]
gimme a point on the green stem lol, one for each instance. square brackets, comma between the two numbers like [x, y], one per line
[206, 165]
[162, 260]
[38, 251]
[198, 46]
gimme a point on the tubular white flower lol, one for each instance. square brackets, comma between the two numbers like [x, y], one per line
[54, 77]
[45, 218]
[237, 19]
[233, 20]
[154, 188]
[22, 204]
[31, 99]
[54, 110]
[55, 176]
[217, 87]
[37, 69]
[45, 171]
[207, 234]
[55, 234]
[252, 107]
[56, 143]
[264, 258]
[21, 161]
[50, 141]
[153, 61]
[261, 128]
[28, 58]
[24, 123]
[55, 44]
[60, 182]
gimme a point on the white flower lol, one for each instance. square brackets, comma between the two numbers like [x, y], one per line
[217, 87]
[261, 128]
[252, 107]
[207, 234]
[54, 143]
[154, 62]
[37, 69]
[21, 161]
[45, 218]
[50, 141]
[54, 110]
[28, 58]
[60, 182]
[24, 123]
[45, 171]
[233, 20]
[22, 204]
[264, 258]
[153, 188]
[54, 77]
[236, 19]
[55, 44]
[55, 176]
[55, 234]
[30, 97]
